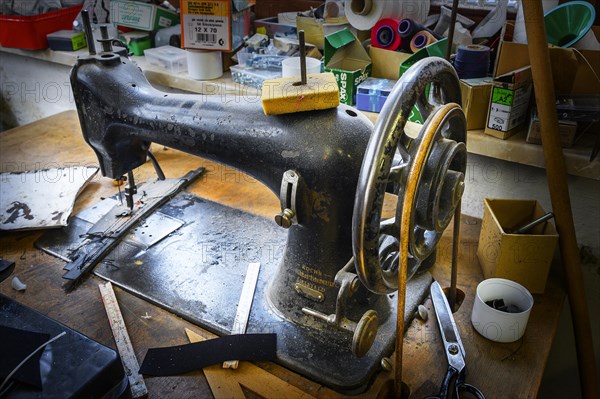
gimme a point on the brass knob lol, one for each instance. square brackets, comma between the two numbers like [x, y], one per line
[365, 333]
[285, 218]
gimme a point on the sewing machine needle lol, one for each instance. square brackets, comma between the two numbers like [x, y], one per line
[118, 182]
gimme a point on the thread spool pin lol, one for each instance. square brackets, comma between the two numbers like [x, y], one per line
[302, 57]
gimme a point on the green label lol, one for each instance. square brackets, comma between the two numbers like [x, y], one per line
[415, 116]
[78, 41]
[502, 96]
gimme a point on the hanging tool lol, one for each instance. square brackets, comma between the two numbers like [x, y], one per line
[455, 351]
[117, 324]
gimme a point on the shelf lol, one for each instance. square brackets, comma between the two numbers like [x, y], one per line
[156, 75]
[515, 149]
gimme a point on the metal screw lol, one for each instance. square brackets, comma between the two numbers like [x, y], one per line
[386, 364]
[284, 219]
[453, 349]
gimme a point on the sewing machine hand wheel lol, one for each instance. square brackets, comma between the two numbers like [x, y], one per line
[390, 155]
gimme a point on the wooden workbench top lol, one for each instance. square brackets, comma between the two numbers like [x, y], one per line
[500, 370]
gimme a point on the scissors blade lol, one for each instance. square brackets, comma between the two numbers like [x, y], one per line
[455, 351]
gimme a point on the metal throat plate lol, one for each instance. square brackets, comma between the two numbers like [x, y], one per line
[198, 271]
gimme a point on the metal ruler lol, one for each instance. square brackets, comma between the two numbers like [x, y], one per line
[117, 324]
[244, 306]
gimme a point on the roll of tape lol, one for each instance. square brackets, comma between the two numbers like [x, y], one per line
[421, 39]
[472, 61]
[385, 34]
[204, 64]
[364, 14]
[409, 28]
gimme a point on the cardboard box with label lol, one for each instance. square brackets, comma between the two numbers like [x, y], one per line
[148, 17]
[476, 94]
[524, 258]
[346, 58]
[509, 106]
[218, 25]
[566, 130]
[574, 71]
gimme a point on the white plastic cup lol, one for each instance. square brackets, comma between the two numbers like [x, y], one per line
[204, 64]
[497, 325]
[291, 66]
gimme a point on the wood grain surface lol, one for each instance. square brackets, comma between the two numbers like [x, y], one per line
[500, 370]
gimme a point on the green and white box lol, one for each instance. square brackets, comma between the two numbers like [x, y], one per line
[508, 113]
[346, 58]
[142, 16]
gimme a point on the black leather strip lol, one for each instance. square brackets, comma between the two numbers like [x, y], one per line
[185, 358]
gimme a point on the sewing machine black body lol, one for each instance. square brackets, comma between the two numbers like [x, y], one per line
[310, 160]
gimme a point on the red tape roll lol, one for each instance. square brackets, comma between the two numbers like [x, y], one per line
[385, 34]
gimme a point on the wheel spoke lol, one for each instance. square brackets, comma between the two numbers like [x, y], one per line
[424, 106]
[389, 227]
[396, 173]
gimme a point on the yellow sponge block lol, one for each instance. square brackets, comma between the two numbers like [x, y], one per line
[287, 95]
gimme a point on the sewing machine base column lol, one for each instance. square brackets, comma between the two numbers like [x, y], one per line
[198, 271]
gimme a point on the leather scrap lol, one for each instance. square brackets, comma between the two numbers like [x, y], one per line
[185, 358]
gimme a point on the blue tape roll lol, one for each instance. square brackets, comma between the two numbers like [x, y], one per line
[472, 61]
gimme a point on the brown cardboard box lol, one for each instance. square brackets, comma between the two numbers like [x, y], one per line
[566, 130]
[316, 30]
[509, 106]
[524, 258]
[574, 71]
[475, 95]
[386, 63]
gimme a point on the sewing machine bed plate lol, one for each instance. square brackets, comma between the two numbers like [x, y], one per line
[197, 272]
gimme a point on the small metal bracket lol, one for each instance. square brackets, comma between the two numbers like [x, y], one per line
[288, 198]
[365, 331]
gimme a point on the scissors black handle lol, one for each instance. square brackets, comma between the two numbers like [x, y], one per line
[459, 386]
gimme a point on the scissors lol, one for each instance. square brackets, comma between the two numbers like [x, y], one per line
[455, 351]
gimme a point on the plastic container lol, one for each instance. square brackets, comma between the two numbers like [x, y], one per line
[260, 61]
[171, 58]
[497, 325]
[291, 66]
[252, 77]
[372, 93]
[204, 64]
[29, 32]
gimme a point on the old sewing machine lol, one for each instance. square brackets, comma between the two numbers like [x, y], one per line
[329, 292]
